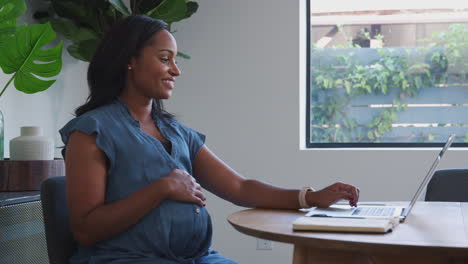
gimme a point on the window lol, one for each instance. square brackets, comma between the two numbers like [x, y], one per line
[387, 73]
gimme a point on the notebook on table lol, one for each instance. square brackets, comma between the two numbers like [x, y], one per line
[365, 225]
[365, 218]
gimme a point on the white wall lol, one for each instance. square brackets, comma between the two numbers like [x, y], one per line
[241, 88]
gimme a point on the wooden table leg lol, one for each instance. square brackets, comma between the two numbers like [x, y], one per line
[299, 255]
[305, 255]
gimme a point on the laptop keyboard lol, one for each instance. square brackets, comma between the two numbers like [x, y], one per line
[374, 211]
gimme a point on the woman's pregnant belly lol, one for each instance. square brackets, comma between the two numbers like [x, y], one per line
[180, 230]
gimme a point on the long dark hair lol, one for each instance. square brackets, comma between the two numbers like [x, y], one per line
[107, 71]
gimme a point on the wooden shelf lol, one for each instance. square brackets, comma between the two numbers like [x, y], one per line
[27, 175]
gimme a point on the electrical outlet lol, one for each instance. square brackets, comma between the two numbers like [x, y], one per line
[263, 244]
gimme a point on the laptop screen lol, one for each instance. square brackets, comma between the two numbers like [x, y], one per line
[429, 175]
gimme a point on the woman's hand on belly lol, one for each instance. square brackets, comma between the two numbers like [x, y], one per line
[183, 187]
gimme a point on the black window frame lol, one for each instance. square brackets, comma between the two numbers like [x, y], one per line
[350, 144]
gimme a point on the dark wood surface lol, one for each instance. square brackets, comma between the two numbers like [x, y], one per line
[27, 175]
[435, 232]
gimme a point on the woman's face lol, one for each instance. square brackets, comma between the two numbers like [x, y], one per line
[152, 74]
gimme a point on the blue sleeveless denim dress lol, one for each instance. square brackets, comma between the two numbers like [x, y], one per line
[173, 232]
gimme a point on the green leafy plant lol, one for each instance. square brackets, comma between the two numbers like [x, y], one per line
[23, 53]
[9, 13]
[454, 42]
[338, 78]
[84, 22]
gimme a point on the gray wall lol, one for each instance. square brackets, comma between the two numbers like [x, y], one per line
[242, 89]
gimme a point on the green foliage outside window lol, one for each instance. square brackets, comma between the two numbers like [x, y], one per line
[441, 62]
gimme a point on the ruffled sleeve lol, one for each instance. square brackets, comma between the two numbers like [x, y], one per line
[88, 125]
[196, 141]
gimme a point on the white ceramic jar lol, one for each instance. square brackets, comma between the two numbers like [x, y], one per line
[31, 145]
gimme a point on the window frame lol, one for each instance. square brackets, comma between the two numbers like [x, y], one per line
[358, 145]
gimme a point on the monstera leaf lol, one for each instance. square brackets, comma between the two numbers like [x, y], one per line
[192, 7]
[169, 11]
[119, 5]
[83, 50]
[24, 56]
[85, 22]
[9, 12]
[84, 40]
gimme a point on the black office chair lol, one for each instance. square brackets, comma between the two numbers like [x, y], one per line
[60, 242]
[450, 185]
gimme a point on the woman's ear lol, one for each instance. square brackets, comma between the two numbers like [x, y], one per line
[131, 64]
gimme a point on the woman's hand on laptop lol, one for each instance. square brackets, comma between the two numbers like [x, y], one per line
[332, 194]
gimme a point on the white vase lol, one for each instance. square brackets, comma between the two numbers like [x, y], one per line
[31, 145]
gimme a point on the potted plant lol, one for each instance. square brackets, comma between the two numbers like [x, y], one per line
[82, 22]
[23, 55]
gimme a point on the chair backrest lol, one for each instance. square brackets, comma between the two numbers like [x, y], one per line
[450, 185]
[60, 242]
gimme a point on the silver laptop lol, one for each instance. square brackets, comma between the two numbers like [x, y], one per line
[381, 211]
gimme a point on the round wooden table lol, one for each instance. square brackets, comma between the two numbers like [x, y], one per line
[434, 232]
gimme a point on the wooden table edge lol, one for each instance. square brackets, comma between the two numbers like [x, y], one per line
[351, 246]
